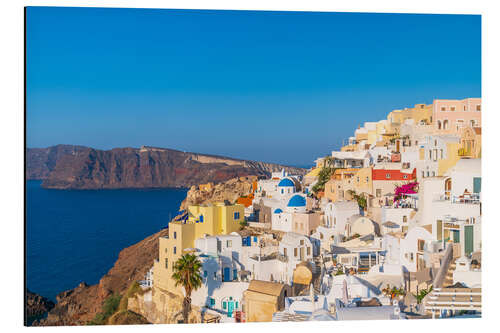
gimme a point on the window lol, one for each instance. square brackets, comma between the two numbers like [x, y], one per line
[212, 301]
[175, 250]
[378, 192]
[334, 221]
[166, 249]
[201, 218]
[472, 123]
[295, 252]
[224, 305]
[465, 108]
[433, 173]
[411, 256]
[388, 175]
[308, 250]
[430, 154]
[421, 244]
[357, 178]
[441, 153]
[301, 241]
[215, 275]
[443, 108]
[405, 176]
[229, 243]
[452, 108]
[478, 107]
[236, 215]
[423, 174]
[405, 218]
[367, 179]
[175, 235]
[284, 251]
[205, 273]
[166, 262]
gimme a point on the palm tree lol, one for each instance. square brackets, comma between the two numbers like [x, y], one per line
[187, 273]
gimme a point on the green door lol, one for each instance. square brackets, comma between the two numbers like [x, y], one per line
[477, 184]
[469, 239]
[456, 236]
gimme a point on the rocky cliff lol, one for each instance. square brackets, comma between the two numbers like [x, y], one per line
[229, 190]
[76, 167]
[79, 305]
[37, 305]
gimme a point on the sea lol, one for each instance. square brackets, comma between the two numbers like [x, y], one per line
[76, 235]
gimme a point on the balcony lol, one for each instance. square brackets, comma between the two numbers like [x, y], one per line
[474, 198]
[462, 152]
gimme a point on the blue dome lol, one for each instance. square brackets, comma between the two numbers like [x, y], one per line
[286, 182]
[297, 201]
[278, 211]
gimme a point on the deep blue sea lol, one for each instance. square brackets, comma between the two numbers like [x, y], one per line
[76, 235]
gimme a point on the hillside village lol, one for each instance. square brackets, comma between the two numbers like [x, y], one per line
[388, 227]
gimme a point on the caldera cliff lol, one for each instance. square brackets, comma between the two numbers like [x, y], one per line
[77, 167]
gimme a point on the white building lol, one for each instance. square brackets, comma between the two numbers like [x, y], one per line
[416, 248]
[465, 274]
[338, 213]
[222, 287]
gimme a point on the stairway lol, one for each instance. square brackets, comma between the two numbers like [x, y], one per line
[448, 280]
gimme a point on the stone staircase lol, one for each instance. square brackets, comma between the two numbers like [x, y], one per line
[448, 280]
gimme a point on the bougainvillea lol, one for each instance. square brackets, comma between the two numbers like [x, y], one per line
[401, 191]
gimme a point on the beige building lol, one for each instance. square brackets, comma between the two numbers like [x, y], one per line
[263, 298]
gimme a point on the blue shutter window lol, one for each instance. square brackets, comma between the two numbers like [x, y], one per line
[212, 301]
[235, 274]
[205, 273]
[201, 218]
[224, 305]
[255, 239]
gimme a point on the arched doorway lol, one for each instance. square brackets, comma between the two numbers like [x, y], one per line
[447, 188]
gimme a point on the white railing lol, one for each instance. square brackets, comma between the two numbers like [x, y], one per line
[474, 198]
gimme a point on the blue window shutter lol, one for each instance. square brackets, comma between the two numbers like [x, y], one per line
[224, 305]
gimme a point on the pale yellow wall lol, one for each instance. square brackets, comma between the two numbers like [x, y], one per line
[259, 307]
[361, 183]
[451, 158]
[371, 137]
[421, 154]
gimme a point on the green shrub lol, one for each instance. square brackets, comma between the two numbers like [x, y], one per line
[109, 307]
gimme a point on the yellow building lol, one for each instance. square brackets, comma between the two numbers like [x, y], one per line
[419, 113]
[452, 152]
[212, 219]
[363, 181]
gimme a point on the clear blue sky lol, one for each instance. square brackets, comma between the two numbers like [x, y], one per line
[273, 86]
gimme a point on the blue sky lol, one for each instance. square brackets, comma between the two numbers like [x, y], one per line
[282, 87]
